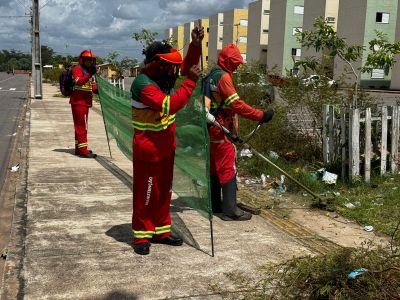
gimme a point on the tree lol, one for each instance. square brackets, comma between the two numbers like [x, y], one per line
[146, 37]
[120, 64]
[47, 55]
[325, 39]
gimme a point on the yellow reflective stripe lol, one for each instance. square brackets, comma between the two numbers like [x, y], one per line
[231, 98]
[154, 127]
[82, 145]
[163, 229]
[165, 105]
[79, 88]
[142, 234]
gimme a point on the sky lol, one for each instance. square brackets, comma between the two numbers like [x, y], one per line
[69, 26]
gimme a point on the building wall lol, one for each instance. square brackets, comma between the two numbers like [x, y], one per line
[177, 34]
[234, 30]
[281, 40]
[205, 43]
[187, 33]
[357, 23]
[385, 6]
[215, 37]
[168, 33]
[257, 38]
[395, 82]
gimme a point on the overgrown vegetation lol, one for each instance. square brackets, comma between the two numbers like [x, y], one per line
[365, 273]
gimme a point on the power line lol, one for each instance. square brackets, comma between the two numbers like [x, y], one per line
[26, 16]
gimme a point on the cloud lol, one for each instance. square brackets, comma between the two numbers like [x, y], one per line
[101, 25]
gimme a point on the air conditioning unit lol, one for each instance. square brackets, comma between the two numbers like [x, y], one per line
[330, 19]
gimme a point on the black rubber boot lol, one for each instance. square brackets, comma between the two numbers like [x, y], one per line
[142, 249]
[229, 207]
[216, 195]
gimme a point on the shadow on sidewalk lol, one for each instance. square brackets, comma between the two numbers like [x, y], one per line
[118, 295]
[124, 177]
[67, 150]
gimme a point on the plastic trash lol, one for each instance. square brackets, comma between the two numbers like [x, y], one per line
[350, 205]
[337, 194]
[246, 153]
[329, 178]
[281, 188]
[264, 180]
[356, 272]
[273, 155]
[15, 168]
[368, 228]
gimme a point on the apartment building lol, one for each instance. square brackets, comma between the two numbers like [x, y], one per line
[215, 37]
[235, 29]
[206, 41]
[283, 48]
[395, 82]
[177, 35]
[258, 30]
[187, 33]
[357, 22]
[328, 10]
[168, 33]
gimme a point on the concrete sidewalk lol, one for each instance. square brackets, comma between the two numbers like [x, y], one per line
[78, 225]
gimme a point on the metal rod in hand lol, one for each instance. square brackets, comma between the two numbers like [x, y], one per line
[105, 127]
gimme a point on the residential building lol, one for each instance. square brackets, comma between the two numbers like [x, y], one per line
[357, 22]
[257, 35]
[283, 48]
[395, 82]
[187, 33]
[328, 10]
[235, 29]
[206, 41]
[215, 37]
[168, 33]
[177, 35]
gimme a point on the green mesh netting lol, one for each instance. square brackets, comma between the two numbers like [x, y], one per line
[191, 173]
[117, 113]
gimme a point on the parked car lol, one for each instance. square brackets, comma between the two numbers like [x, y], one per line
[318, 80]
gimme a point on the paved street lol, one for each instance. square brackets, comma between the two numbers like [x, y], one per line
[13, 91]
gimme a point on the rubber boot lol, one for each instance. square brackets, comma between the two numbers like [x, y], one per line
[229, 207]
[216, 195]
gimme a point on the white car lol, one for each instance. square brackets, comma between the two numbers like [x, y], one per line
[318, 80]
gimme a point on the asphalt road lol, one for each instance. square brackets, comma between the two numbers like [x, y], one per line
[13, 91]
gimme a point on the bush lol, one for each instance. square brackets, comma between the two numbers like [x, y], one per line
[52, 75]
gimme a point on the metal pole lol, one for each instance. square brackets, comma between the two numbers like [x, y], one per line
[36, 55]
[212, 238]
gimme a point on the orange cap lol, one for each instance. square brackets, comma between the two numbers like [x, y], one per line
[174, 57]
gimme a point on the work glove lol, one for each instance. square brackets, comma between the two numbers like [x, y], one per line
[194, 73]
[268, 114]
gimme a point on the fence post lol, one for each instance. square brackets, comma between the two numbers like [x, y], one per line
[354, 153]
[368, 144]
[394, 151]
[384, 139]
[331, 128]
[343, 139]
[325, 119]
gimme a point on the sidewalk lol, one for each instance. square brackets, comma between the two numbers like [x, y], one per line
[78, 225]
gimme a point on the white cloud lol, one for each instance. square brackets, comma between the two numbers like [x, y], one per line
[104, 26]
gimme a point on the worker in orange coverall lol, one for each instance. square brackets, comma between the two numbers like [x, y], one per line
[81, 100]
[154, 106]
[225, 106]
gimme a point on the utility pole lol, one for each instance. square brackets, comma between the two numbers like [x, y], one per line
[36, 55]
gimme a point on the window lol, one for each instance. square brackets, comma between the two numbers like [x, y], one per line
[221, 39]
[244, 56]
[297, 30]
[243, 22]
[207, 58]
[265, 30]
[264, 50]
[330, 20]
[221, 23]
[299, 10]
[207, 44]
[243, 39]
[266, 11]
[378, 74]
[296, 52]
[382, 18]
[208, 29]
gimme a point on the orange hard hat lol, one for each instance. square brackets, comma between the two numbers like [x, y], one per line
[87, 54]
[173, 57]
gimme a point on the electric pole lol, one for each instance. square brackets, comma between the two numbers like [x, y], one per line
[36, 55]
